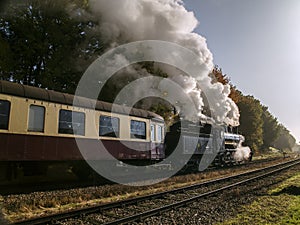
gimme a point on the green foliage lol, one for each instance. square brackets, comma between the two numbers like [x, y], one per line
[165, 110]
[251, 123]
[285, 141]
[6, 59]
[270, 128]
[260, 128]
[49, 44]
[277, 207]
[153, 68]
[43, 45]
[41, 37]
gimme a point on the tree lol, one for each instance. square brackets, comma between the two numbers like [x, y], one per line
[270, 128]
[218, 76]
[6, 59]
[260, 128]
[251, 123]
[44, 42]
[285, 141]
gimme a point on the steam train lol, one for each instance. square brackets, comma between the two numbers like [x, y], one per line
[205, 138]
[38, 128]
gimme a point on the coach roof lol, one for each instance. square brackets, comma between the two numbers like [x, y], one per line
[25, 91]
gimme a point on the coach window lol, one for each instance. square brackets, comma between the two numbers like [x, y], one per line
[152, 132]
[36, 118]
[71, 122]
[4, 114]
[109, 126]
[137, 129]
[159, 133]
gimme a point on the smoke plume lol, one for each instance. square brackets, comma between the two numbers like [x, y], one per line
[123, 21]
[242, 153]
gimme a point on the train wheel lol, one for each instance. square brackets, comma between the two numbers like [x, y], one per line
[81, 170]
[35, 168]
[8, 171]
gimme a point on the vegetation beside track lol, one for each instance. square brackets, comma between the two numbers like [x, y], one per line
[280, 205]
[16, 207]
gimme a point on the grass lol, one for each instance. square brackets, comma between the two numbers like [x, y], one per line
[49, 206]
[270, 154]
[280, 206]
[15, 209]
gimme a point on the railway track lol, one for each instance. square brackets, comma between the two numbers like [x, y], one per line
[136, 209]
[28, 187]
[247, 164]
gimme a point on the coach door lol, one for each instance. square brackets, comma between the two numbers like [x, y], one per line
[157, 151]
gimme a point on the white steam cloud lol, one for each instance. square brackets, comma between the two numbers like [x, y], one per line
[242, 153]
[122, 21]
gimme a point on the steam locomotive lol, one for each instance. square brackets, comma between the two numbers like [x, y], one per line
[39, 128]
[205, 138]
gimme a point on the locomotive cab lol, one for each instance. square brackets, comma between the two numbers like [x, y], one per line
[193, 140]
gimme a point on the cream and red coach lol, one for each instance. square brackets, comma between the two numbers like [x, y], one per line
[36, 129]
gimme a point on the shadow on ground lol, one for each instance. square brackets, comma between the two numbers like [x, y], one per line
[290, 190]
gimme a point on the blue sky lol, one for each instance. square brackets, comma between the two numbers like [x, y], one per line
[257, 44]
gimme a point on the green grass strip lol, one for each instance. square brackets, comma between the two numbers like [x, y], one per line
[280, 206]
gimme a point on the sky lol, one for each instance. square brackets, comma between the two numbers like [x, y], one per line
[257, 44]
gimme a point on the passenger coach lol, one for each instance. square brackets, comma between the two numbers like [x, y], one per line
[36, 129]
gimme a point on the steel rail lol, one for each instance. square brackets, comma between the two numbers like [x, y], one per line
[159, 210]
[98, 208]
